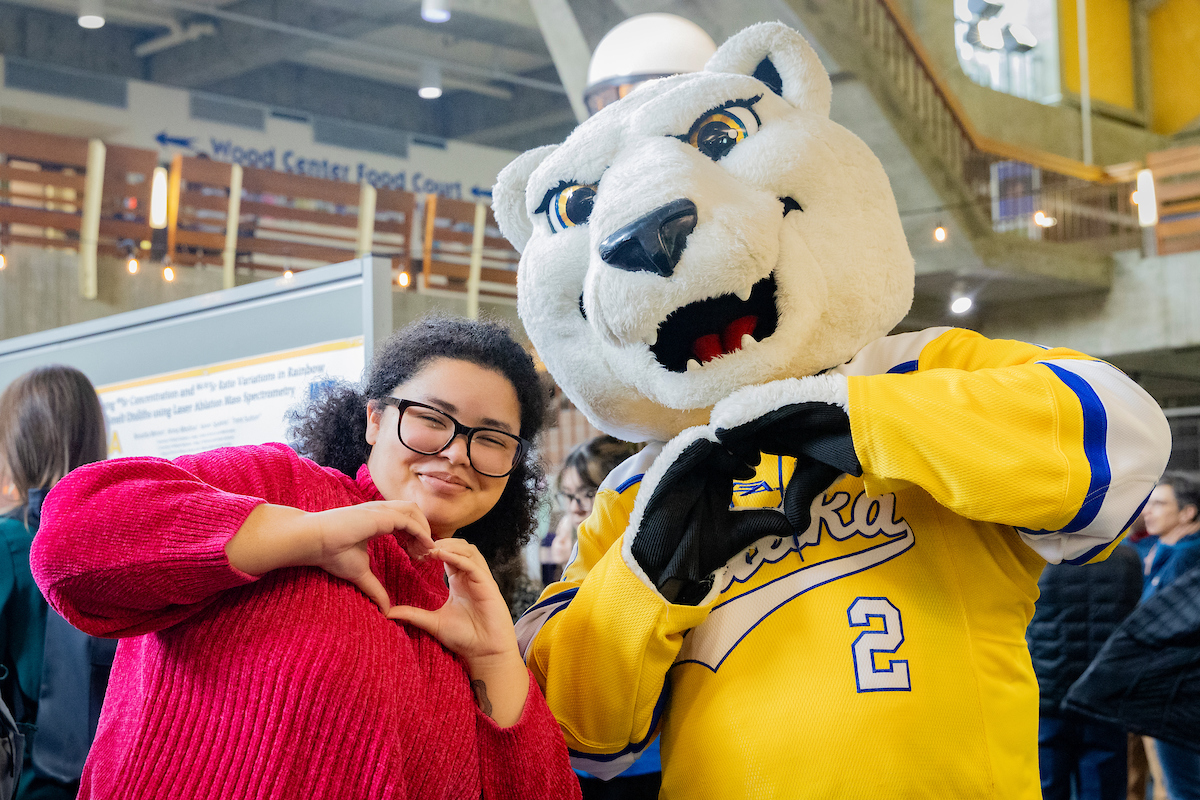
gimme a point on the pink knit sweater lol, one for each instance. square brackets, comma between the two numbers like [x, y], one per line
[288, 686]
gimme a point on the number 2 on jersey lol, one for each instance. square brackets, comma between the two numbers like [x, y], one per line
[868, 674]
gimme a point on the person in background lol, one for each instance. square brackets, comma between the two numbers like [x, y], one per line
[583, 471]
[292, 630]
[1078, 609]
[54, 680]
[1172, 518]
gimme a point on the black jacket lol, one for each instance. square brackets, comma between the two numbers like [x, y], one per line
[1147, 677]
[1079, 608]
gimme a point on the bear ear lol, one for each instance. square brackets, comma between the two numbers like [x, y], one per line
[508, 195]
[780, 58]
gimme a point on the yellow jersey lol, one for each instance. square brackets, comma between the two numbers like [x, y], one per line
[881, 652]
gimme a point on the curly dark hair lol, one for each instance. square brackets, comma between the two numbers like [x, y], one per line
[332, 429]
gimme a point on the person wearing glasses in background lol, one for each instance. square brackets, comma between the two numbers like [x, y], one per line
[582, 472]
[296, 630]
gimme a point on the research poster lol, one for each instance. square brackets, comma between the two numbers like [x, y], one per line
[220, 405]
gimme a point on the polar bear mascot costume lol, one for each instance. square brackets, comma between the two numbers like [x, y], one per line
[815, 581]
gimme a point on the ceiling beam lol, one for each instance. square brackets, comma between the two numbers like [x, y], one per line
[568, 48]
[520, 127]
[390, 73]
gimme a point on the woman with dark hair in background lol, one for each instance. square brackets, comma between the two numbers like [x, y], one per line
[258, 593]
[582, 472]
[51, 422]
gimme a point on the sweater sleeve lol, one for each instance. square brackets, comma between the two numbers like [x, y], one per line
[528, 760]
[135, 545]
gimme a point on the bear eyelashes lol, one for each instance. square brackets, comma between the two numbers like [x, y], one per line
[567, 205]
[716, 131]
[714, 134]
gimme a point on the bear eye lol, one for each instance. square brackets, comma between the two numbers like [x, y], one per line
[568, 205]
[715, 133]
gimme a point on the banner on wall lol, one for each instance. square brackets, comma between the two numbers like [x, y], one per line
[221, 405]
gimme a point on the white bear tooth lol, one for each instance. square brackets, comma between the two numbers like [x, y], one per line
[651, 339]
[743, 295]
[693, 365]
[747, 340]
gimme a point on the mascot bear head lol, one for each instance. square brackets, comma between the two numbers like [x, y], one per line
[709, 231]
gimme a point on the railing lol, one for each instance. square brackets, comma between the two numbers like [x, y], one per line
[465, 251]
[77, 194]
[229, 215]
[1006, 185]
[70, 193]
[1177, 192]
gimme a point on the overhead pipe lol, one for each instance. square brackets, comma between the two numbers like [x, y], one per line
[177, 35]
[377, 51]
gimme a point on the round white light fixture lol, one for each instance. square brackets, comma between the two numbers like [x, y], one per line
[961, 305]
[402, 279]
[431, 82]
[132, 266]
[91, 14]
[435, 10]
[168, 274]
[1041, 220]
[3, 261]
[939, 234]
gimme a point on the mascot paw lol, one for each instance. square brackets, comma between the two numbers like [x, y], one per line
[805, 418]
[682, 528]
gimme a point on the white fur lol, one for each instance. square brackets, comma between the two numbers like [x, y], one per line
[842, 266]
[508, 195]
[752, 402]
[806, 85]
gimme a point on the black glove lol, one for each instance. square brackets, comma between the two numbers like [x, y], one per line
[688, 529]
[816, 434]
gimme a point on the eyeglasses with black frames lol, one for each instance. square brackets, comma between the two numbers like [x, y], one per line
[583, 498]
[428, 431]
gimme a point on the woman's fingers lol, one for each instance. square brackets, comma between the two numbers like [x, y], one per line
[470, 561]
[373, 589]
[422, 618]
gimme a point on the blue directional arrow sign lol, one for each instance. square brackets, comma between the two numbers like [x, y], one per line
[164, 140]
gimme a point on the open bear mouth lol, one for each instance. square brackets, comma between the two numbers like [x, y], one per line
[706, 329]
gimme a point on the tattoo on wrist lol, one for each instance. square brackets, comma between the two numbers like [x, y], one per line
[479, 689]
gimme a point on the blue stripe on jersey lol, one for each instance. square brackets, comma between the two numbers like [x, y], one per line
[1088, 556]
[1095, 440]
[635, 479]
[561, 597]
[1095, 551]
[633, 747]
[907, 366]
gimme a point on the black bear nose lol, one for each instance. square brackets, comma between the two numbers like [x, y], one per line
[653, 243]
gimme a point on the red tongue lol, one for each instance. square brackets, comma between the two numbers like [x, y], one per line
[708, 347]
[732, 337]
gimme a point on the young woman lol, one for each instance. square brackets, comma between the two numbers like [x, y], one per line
[581, 474]
[50, 423]
[291, 630]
